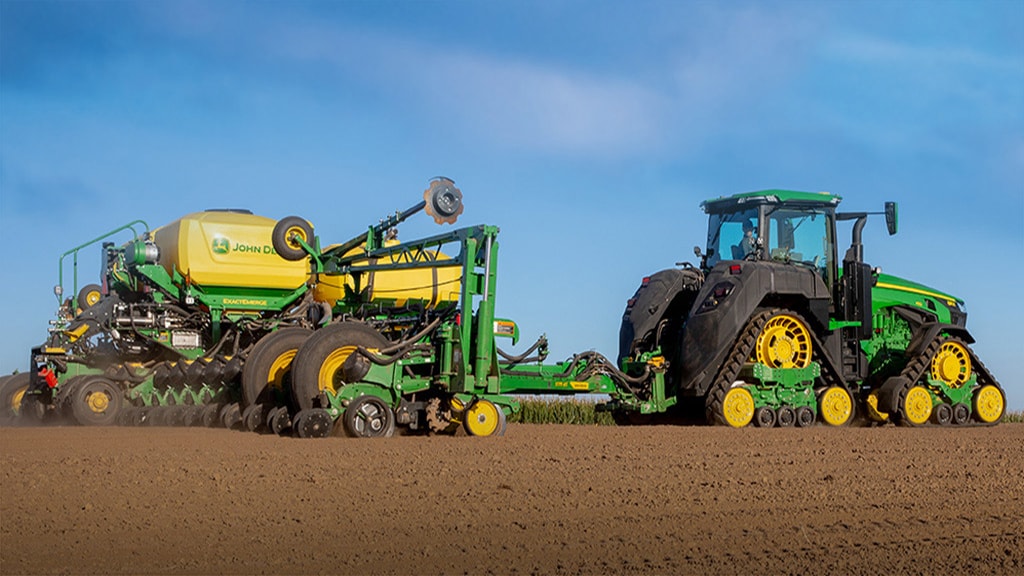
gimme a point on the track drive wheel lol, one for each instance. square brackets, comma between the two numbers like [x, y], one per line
[286, 234]
[12, 392]
[268, 369]
[328, 360]
[951, 363]
[369, 417]
[784, 342]
[313, 423]
[96, 401]
[484, 418]
[989, 404]
[914, 406]
[835, 406]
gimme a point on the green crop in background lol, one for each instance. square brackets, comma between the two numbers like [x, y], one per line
[540, 411]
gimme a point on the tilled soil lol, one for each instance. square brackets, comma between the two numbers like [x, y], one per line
[541, 500]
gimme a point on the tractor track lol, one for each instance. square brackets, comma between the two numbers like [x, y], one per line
[542, 499]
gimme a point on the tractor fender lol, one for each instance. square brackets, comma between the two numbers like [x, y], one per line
[926, 334]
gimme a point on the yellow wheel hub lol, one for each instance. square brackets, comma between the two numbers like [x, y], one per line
[784, 343]
[92, 297]
[917, 406]
[738, 407]
[329, 376]
[836, 406]
[952, 364]
[989, 404]
[97, 402]
[482, 418]
[279, 369]
[293, 234]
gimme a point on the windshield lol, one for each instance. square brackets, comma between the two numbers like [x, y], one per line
[731, 236]
[801, 236]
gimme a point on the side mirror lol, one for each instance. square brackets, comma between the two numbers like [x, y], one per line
[696, 251]
[891, 217]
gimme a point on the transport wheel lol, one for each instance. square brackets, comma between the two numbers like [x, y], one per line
[961, 414]
[96, 401]
[787, 416]
[989, 404]
[915, 406]
[784, 342]
[942, 414]
[313, 423]
[951, 364]
[804, 417]
[328, 360]
[285, 235]
[369, 417]
[835, 406]
[737, 407]
[266, 374]
[88, 296]
[485, 418]
[12, 392]
[764, 417]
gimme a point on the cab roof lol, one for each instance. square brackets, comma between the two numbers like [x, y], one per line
[775, 196]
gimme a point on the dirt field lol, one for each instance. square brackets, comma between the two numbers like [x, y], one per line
[541, 500]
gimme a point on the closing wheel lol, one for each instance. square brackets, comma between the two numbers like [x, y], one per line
[96, 401]
[314, 423]
[951, 364]
[88, 296]
[989, 404]
[737, 408]
[369, 417]
[942, 414]
[231, 416]
[12, 392]
[484, 418]
[328, 360]
[254, 418]
[787, 416]
[764, 417]
[279, 420]
[804, 417]
[211, 416]
[835, 406]
[784, 342]
[266, 374]
[961, 414]
[286, 235]
[915, 406]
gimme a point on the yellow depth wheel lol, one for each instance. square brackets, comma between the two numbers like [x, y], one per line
[92, 297]
[784, 342]
[952, 364]
[989, 404]
[279, 368]
[917, 406]
[738, 407]
[330, 370]
[484, 418]
[836, 406]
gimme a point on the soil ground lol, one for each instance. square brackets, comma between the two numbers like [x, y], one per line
[541, 500]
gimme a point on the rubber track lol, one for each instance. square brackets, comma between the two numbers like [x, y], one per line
[733, 364]
[915, 369]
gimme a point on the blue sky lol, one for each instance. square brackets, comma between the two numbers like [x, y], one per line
[588, 131]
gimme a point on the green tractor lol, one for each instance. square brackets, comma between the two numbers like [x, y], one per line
[772, 330]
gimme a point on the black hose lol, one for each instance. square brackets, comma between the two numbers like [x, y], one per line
[541, 342]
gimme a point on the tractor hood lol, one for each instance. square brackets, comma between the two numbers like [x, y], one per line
[895, 283]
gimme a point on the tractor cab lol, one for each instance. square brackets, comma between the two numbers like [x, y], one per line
[774, 225]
